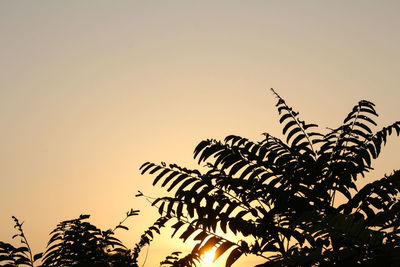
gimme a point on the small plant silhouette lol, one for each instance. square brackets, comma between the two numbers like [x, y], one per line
[281, 195]
[73, 243]
[16, 256]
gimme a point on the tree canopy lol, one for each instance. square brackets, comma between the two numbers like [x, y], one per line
[282, 195]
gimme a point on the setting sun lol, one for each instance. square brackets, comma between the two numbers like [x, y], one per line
[208, 257]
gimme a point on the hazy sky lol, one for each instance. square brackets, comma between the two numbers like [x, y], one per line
[90, 90]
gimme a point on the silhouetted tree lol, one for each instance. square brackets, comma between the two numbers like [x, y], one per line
[282, 195]
[79, 243]
[73, 243]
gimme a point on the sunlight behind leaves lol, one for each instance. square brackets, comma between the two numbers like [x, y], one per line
[208, 257]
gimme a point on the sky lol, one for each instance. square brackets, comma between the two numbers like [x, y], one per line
[90, 90]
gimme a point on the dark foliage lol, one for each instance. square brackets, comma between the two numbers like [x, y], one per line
[17, 256]
[281, 195]
[73, 243]
[148, 235]
[79, 243]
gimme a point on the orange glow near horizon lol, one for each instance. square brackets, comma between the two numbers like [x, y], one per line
[208, 257]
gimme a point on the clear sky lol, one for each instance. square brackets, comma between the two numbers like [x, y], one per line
[90, 90]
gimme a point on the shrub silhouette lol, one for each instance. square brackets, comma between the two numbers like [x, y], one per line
[72, 243]
[79, 243]
[281, 195]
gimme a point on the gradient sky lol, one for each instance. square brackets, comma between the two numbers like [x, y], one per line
[90, 90]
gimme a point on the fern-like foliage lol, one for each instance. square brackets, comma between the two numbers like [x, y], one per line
[79, 243]
[173, 260]
[280, 194]
[148, 235]
[72, 243]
